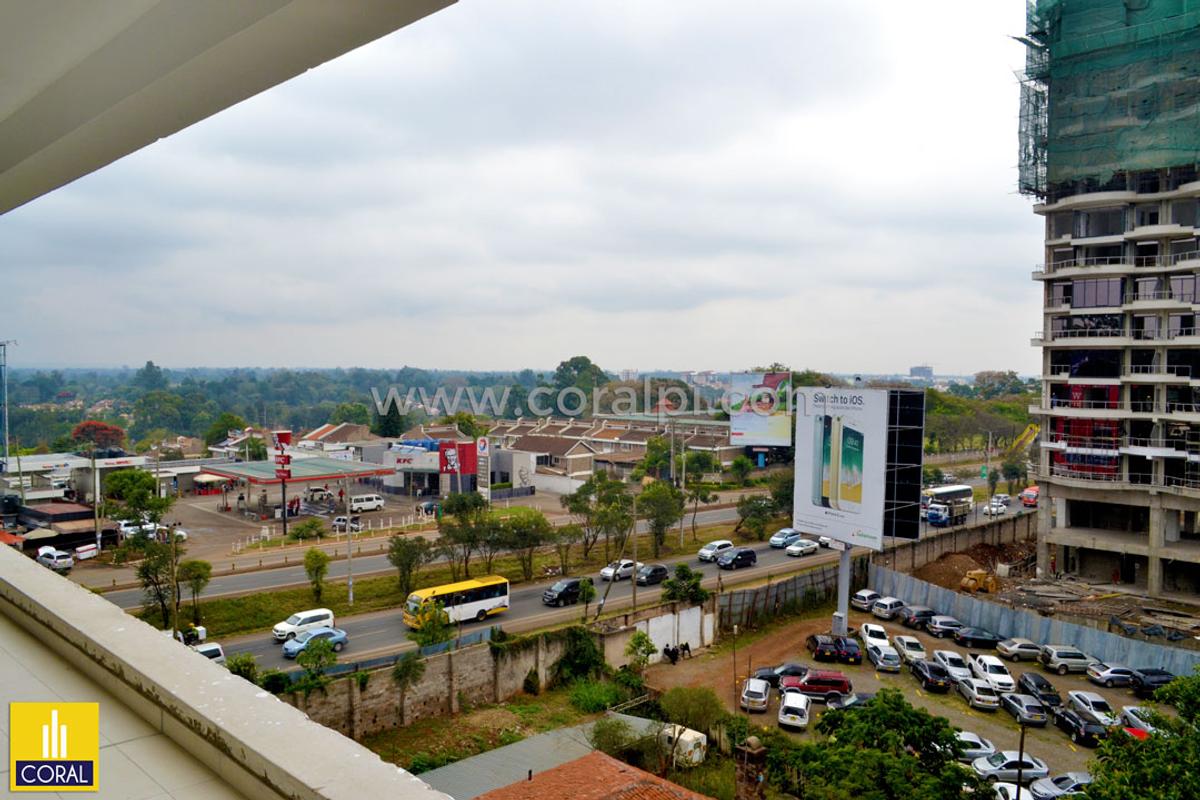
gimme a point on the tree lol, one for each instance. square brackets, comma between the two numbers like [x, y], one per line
[932, 476]
[993, 480]
[353, 413]
[611, 735]
[1126, 768]
[657, 460]
[700, 462]
[467, 423]
[316, 657]
[685, 586]
[391, 424]
[639, 650]
[195, 574]
[698, 493]
[587, 594]
[154, 574]
[991, 384]
[244, 665]
[1012, 473]
[221, 428]
[697, 708]
[492, 539]
[754, 512]
[311, 528]
[93, 434]
[408, 554]
[581, 373]
[407, 673]
[783, 486]
[431, 625]
[316, 566]
[256, 449]
[741, 467]
[564, 538]
[590, 502]
[525, 531]
[150, 378]
[662, 505]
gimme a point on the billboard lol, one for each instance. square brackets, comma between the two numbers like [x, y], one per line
[841, 464]
[760, 409]
[457, 458]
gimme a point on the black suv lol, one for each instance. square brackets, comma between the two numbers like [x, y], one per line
[1035, 683]
[1082, 728]
[736, 557]
[563, 592]
[1148, 680]
[932, 675]
[916, 616]
[848, 651]
[821, 646]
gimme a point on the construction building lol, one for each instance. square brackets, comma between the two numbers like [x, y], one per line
[1110, 142]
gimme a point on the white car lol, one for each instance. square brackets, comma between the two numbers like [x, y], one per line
[211, 650]
[974, 746]
[793, 710]
[1018, 649]
[619, 570]
[302, 621]
[57, 560]
[1094, 704]
[911, 649]
[711, 550]
[979, 694]
[803, 547]
[863, 599]
[824, 541]
[1009, 791]
[1137, 717]
[954, 664]
[992, 671]
[994, 509]
[870, 633]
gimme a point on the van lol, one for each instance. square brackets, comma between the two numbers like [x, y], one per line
[686, 746]
[366, 502]
[1029, 497]
[211, 650]
[887, 607]
[302, 621]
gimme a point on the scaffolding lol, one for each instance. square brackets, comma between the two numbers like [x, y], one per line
[1111, 88]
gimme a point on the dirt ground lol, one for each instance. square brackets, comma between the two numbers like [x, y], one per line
[715, 668]
[949, 569]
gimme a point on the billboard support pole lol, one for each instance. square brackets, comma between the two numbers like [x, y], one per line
[842, 615]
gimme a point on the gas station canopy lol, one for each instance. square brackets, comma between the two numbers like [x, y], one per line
[304, 470]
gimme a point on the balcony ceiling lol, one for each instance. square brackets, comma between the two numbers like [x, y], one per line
[83, 83]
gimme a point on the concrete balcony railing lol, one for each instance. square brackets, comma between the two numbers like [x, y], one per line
[1123, 261]
[1146, 370]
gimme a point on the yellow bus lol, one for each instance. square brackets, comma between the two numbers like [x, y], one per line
[477, 599]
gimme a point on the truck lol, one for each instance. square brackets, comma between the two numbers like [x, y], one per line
[1029, 497]
[951, 512]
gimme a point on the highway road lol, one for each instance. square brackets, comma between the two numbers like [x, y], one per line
[262, 580]
[383, 632]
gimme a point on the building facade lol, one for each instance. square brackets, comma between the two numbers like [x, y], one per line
[1110, 142]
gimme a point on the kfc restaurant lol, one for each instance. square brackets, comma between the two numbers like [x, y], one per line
[430, 468]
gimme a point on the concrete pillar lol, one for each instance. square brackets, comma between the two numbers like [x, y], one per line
[452, 682]
[1043, 528]
[1160, 520]
[542, 667]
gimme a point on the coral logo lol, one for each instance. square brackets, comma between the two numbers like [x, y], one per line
[55, 747]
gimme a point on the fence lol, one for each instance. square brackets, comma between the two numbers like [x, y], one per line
[514, 491]
[806, 590]
[1011, 622]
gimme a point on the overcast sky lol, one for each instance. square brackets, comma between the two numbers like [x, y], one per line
[508, 183]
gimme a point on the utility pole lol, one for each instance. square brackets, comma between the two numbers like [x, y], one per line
[96, 498]
[20, 473]
[349, 549]
[683, 490]
[635, 561]
[1020, 758]
[4, 395]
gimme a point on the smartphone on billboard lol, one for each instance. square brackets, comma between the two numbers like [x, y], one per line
[820, 456]
[833, 462]
[850, 468]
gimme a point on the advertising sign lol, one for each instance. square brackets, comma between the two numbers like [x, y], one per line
[283, 474]
[54, 747]
[759, 409]
[841, 464]
[457, 458]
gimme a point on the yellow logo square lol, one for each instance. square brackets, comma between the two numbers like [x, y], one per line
[54, 747]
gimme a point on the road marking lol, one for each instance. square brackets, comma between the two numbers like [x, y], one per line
[1073, 747]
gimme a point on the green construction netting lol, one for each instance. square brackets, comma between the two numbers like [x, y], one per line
[1110, 86]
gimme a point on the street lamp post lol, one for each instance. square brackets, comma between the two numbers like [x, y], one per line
[735, 680]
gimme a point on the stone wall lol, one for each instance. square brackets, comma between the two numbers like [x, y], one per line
[935, 542]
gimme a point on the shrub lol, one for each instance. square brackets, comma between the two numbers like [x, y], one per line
[276, 682]
[581, 656]
[244, 665]
[362, 677]
[532, 685]
[593, 696]
[630, 681]
[423, 762]
[611, 735]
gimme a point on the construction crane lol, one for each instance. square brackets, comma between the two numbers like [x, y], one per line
[1022, 442]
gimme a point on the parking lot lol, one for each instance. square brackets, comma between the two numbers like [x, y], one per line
[786, 643]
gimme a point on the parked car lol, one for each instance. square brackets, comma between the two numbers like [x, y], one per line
[953, 663]
[651, 574]
[887, 607]
[755, 695]
[932, 676]
[821, 647]
[992, 670]
[979, 694]
[339, 524]
[910, 648]
[1025, 708]
[802, 547]
[303, 621]
[428, 507]
[55, 559]
[1137, 717]
[711, 550]
[793, 710]
[848, 651]
[822, 684]
[851, 701]
[916, 616]
[973, 746]
[563, 592]
[211, 650]
[941, 626]
[863, 599]
[772, 675]
[1094, 704]
[1148, 680]
[884, 657]
[1110, 675]
[366, 502]
[620, 570]
[737, 557]
[976, 637]
[335, 636]
[1083, 728]
[784, 537]
[1018, 650]
[1008, 791]
[870, 633]
[1072, 783]
[1036, 684]
[1062, 659]
[1004, 765]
